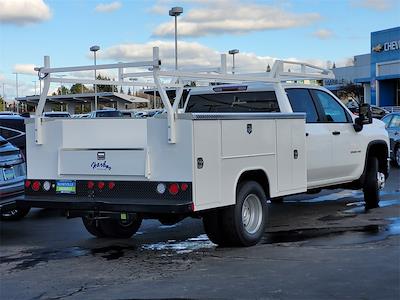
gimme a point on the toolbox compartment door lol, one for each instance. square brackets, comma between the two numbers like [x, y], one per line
[102, 162]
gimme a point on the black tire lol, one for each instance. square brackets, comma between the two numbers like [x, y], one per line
[93, 227]
[122, 230]
[396, 158]
[371, 187]
[212, 223]
[15, 214]
[233, 219]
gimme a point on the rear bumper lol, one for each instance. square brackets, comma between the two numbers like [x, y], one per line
[151, 206]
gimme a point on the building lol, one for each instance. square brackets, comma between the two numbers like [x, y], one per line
[79, 103]
[378, 71]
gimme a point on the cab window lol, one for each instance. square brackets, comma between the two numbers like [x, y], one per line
[234, 102]
[386, 120]
[334, 112]
[301, 101]
[395, 123]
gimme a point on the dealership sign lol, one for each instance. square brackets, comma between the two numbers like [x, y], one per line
[388, 46]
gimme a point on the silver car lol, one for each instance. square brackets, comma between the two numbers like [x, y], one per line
[12, 180]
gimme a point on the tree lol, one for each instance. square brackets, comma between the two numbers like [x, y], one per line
[2, 101]
[79, 88]
[268, 68]
[105, 88]
[62, 90]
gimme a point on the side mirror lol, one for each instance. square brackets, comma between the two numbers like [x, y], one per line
[364, 117]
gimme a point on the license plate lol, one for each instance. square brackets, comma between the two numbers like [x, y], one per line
[66, 187]
[8, 173]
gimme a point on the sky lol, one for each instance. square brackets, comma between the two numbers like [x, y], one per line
[262, 30]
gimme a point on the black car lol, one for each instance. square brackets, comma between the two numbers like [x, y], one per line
[377, 112]
[12, 128]
[12, 179]
[392, 122]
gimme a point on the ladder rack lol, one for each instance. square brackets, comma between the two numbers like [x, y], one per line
[176, 77]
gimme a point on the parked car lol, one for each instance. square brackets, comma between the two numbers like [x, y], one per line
[12, 177]
[12, 128]
[377, 112]
[56, 114]
[106, 113]
[392, 122]
[8, 113]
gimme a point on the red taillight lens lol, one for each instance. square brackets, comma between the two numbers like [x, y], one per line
[27, 183]
[184, 187]
[173, 188]
[111, 185]
[90, 185]
[101, 185]
[36, 186]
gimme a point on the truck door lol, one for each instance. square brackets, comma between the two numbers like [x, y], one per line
[347, 151]
[318, 140]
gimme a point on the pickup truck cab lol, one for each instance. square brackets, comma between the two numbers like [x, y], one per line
[236, 146]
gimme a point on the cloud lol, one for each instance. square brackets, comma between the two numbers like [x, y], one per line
[380, 5]
[191, 55]
[27, 69]
[219, 17]
[324, 34]
[23, 12]
[108, 7]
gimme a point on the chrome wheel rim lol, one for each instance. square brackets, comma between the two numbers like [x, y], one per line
[381, 180]
[252, 214]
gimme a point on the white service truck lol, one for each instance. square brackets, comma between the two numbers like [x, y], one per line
[237, 145]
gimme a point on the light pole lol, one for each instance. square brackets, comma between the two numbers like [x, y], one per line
[34, 82]
[175, 12]
[16, 88]
[61, 76]
[4, 99]
[233, 52]
[94, 49]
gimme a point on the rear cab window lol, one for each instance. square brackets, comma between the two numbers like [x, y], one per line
[264, 101]
[302, 102]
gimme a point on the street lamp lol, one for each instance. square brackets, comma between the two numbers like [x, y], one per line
[16, 88]
[4, 98]
[233, 52]
[34, 82]
[175, 12]
[94, 49]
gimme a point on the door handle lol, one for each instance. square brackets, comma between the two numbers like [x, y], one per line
[336, 132]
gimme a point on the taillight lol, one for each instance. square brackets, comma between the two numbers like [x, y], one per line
[27, 183]
[173, 188]
[36, 186]
[184, 187]
[90, 185]
[101, 185]
[111, 185]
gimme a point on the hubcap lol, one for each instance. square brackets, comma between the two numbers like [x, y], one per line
[252, 214]
[381, 180]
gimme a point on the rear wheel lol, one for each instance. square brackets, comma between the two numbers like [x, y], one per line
[93, 226]
[374, 182]
[120, 229]
[242, 224]
[15, 214]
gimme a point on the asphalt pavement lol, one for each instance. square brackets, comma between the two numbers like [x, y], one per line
[322, 246]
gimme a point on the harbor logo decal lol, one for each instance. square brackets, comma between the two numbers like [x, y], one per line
[100, 166]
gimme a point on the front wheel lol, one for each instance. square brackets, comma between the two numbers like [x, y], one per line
[244, 223]
[374, 182]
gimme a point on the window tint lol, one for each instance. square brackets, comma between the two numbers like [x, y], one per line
[234, 102]
[8, 133]
[334, 112]
[395, 122]
[301, 101]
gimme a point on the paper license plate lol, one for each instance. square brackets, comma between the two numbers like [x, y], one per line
[8, 173]
[66, 187]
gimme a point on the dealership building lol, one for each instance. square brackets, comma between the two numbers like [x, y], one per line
[378, 71]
